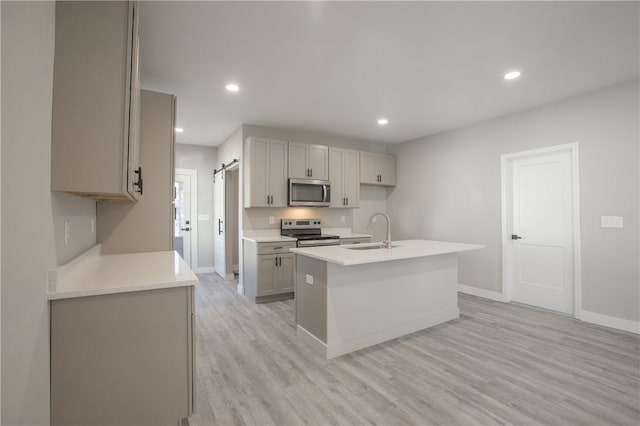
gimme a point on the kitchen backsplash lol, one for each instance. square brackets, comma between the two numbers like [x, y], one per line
[80, 215]
[258, 218]
[372, 199]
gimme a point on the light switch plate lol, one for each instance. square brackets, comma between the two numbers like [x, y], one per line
[342, 218]
[309, 279]
[271, 220]
[611, 222]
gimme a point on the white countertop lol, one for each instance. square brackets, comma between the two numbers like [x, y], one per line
[93, 274]
[344, 233]
[266, 236]
[352, 235]
[406, 249]
[273, 235]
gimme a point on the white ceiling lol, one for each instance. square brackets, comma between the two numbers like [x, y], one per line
[339, 66]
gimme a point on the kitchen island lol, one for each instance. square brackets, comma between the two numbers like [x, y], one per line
[352, 297]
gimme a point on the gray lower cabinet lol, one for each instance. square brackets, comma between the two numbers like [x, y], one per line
[357, 240]
[123, 359]
[268, 271]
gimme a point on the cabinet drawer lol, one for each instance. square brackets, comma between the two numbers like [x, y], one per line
[281, 247]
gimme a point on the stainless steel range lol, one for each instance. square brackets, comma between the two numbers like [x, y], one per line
[308, 232]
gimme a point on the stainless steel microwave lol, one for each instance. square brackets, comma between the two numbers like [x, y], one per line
[309, 192]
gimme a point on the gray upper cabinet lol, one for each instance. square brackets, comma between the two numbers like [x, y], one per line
[96, 101]
[265, 180]
[377, 169]
[308, 161]
[344, 173]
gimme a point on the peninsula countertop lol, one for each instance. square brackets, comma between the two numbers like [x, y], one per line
[93, 273]
[406, 249]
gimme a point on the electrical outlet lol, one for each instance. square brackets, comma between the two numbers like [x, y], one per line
[611, 222]
[342, 218]
[309, 279]
[93, 225]
[271, 220]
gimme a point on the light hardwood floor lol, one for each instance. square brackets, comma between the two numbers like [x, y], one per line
[498, 364]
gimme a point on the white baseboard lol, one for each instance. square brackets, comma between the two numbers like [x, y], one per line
[611, 322]
[342, 347]
[312, 341]
[480, 292]
[240, 289]
[204, 270]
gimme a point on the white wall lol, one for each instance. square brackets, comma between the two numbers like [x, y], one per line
[448, 188]
[204, 160]
[27, 228]
[31, 213]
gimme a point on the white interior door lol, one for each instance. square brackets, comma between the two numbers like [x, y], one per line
[183, 223]
[219, 232]
[542, 252]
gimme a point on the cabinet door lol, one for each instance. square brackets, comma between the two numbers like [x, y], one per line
[284, 273]
[95, 88]
[267, 275]
[319, 162]
[258, 172]
[351, 178]
[369, 170]
[336, 159]
[134, 170]
[298, 164]
[278, 173]
[388, 170]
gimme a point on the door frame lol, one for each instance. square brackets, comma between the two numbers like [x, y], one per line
[193, 174]
[231, 222]
[507, 264]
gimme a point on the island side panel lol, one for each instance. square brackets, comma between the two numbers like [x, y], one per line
[311, 299]
[371, 303]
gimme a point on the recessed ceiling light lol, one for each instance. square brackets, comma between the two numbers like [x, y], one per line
[179, 130]
[383, 121]
[232, 87]
[511, 75]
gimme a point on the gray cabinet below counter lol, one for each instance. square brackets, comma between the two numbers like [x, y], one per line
[124, 358]
[268, 270]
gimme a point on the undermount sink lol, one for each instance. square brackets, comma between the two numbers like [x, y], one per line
[376, 247]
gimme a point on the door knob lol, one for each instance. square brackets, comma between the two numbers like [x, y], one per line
[185, 229]
[516, 237]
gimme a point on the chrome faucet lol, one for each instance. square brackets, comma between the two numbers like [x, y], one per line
[387, 242]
